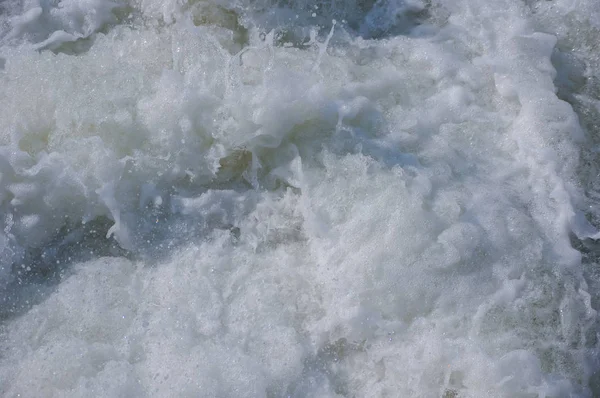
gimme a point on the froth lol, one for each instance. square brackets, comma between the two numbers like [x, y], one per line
[363, 207]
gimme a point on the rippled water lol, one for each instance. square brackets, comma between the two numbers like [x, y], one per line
[273, 198]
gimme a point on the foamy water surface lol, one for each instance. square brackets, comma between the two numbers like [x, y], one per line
[290, 198]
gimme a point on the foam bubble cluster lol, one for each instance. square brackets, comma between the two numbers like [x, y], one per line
[290, 198]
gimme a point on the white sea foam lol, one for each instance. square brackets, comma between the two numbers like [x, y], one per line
[287, 198]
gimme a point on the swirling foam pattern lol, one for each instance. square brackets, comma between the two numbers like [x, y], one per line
[293, 198]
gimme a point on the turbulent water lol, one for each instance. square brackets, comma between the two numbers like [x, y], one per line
[293, 198]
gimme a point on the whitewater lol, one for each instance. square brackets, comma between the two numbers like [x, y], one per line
[293, 198]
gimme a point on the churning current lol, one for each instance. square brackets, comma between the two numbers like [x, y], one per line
[294, 198]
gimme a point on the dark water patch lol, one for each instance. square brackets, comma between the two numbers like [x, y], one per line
[36, 275]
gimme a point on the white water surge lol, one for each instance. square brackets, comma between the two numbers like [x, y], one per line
[289, 198]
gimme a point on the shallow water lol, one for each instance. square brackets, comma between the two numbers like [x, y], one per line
[235, 198]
